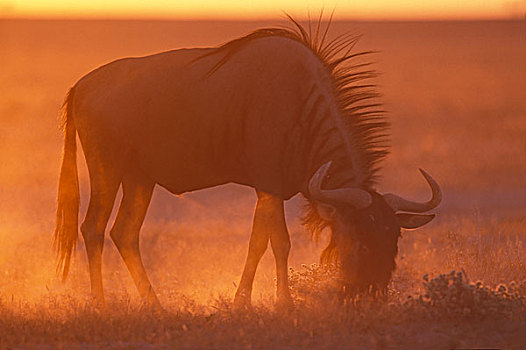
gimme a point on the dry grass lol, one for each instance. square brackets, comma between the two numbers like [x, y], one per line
[438, 310]
[364, 325]
[455, 94]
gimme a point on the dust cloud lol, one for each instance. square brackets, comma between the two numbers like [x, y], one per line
[454, 92]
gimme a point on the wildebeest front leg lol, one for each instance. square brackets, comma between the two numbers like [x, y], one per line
[269, 223]
[280, 242]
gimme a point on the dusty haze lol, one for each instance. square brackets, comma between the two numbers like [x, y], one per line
[455, 92]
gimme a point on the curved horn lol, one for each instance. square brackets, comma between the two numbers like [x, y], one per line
[398, 203]
[356, 197]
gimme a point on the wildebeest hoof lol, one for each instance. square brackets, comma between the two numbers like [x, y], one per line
[242, 304]
[284, 304]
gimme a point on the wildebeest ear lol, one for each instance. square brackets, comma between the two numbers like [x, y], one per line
[326, 211]
[413, 220]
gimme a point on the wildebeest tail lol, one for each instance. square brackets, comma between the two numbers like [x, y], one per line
[66, 230]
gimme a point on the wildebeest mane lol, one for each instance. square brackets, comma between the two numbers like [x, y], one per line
[355, 94]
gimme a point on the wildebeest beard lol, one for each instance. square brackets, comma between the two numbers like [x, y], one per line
[364, 248]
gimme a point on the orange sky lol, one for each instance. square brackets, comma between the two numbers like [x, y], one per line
[254, 9]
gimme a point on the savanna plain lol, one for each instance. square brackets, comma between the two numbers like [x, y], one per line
[454, 92]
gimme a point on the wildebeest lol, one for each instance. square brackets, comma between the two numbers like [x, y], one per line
[284, 111]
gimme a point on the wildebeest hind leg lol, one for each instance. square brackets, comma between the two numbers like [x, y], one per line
[136, 195]
[104, 186]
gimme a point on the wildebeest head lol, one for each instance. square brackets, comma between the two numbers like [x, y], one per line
[366, 227]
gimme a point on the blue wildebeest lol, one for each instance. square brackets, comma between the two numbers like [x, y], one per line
[280, 110]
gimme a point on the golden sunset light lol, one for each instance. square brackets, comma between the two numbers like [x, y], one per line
[261, 9]
[249, 174]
